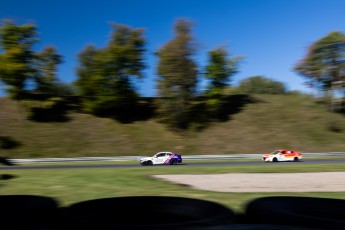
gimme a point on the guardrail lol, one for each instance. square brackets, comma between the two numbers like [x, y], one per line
[185, 157]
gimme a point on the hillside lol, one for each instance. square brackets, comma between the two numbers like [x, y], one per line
[272, 122]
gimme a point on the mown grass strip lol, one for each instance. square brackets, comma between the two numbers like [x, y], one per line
[73, 185]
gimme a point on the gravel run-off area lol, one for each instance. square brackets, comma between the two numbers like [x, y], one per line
[262, 182]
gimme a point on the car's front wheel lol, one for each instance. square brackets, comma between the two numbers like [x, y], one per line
[173, 162]
[295, 159]
[275, 160]
[149, 163]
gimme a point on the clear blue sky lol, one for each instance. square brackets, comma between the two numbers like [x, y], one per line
[272, 34]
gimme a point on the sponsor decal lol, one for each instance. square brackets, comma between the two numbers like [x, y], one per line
[167, 161]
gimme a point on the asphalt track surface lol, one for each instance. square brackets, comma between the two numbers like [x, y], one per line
[185, 164]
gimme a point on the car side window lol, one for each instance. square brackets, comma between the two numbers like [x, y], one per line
[161, 155]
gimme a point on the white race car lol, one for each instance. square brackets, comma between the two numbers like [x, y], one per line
[162, 158]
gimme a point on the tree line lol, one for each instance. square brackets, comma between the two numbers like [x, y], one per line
[104, 84]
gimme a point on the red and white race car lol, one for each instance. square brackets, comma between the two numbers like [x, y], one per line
[282, 155]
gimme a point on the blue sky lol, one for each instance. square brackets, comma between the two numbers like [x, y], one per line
[272, 34]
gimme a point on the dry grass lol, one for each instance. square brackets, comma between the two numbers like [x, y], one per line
[273, 122]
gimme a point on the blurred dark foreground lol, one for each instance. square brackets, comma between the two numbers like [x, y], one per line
[167, 213]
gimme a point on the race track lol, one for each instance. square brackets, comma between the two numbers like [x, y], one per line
[185, 164]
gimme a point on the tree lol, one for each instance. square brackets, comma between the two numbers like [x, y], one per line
[220, 69]
[20, 64]
[46, 79]
[89, 72]
[17, 57]
[177, 76]
[324, 63]
[105, 74]
[261, 85]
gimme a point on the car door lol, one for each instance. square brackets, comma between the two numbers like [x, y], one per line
[290, 155]
[282, 156]
[160, 158]
[167, 158]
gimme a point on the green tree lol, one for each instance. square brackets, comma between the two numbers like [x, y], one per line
[105, 74]
[220, 69]
[17, 57]
[46, 64]
[89, 72]
[177, 76]
[21, 64]
[261, 85]
[324, 63]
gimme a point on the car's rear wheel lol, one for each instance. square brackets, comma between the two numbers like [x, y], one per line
[295, 159]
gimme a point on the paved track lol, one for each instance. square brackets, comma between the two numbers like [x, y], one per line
[185, 164]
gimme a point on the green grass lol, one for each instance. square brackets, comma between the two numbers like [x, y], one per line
[73, 185]
[273, 122]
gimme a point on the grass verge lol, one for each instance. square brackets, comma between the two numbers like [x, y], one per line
[73, 185]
